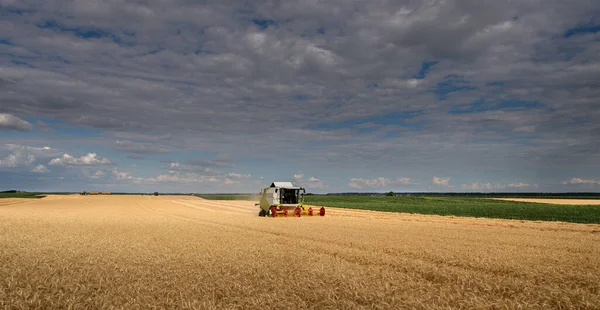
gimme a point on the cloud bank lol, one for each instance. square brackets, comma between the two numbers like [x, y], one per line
[352, 93]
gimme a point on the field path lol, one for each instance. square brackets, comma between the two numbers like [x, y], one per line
[183, 252]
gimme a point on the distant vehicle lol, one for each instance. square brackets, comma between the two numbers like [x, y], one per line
[282, 197]
[155, 193]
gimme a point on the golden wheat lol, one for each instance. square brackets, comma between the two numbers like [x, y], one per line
[175, 252]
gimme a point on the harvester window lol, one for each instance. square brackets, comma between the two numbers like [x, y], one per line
[289, 196]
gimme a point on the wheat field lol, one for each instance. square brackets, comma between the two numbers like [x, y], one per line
[180, 252]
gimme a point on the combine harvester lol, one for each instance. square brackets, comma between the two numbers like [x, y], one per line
[283, 199]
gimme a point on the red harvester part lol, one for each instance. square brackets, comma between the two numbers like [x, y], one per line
[298, 212]
[273, 212]
[322, 211]
[310, 212]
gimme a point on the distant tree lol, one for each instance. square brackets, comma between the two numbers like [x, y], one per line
[391, 194]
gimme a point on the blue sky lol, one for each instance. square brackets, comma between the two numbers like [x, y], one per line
[223, 96]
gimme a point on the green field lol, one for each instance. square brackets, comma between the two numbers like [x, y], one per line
[21, 195]
[463, 206]
[229, 196]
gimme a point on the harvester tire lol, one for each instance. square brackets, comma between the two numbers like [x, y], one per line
[262, 213]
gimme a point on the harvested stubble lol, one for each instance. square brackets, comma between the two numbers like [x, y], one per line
[135, 252]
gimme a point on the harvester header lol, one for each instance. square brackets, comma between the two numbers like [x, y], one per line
[283, 199]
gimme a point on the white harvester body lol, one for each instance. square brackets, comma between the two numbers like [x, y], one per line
[283, 198]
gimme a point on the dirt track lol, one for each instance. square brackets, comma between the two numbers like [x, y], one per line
[556, 201]
[185, 252]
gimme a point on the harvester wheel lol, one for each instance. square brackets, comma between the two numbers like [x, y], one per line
[262, 213]
[273, 212]
[285, 212]
[310, 211]
[322, 211]
[298, 211]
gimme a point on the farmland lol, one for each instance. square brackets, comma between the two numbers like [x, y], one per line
[21, 195]
[229, 196]
[184, 252]
[466, 206]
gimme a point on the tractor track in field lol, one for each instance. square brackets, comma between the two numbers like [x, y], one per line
[11, 201]
[200, 207]
[324, 247]
[363, 255]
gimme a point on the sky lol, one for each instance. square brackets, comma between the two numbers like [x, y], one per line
[336, 96]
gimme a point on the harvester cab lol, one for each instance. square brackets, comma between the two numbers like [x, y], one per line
[283, 199]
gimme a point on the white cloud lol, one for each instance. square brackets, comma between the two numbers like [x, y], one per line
[98, 174]
[233, 175]
[24, 156]
[42, 152]
[181, 178]
[312, 182]
[377, 182]
[19, 157]
[13, 123]
[229, 181]
[581, 181]
[477, 186]
[180, 174]
[221, 161]
[412, 83]
[119, 175]
[191, 168]
[89, 159]
[517, 185]
[445, 182]
[40, 169]
[140, 148]
[171, 177]
[489, 186]
[90, 172]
